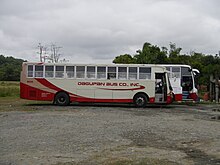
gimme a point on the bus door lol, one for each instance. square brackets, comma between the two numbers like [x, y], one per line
[187, 85]
[160, 88]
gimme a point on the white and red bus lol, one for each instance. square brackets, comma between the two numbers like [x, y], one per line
[109, 83]
[182, 79]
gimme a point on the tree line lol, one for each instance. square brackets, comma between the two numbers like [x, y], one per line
[152, 54]
[10, 68]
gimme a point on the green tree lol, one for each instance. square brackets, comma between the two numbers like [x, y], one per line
[174, 51]
[151, 54]
[124, 59]
[10, 68]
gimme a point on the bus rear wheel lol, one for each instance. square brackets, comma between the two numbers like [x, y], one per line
[62, 98]
[140, 100]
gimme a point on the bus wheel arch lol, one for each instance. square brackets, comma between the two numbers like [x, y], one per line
[140, 99]
[62, 98]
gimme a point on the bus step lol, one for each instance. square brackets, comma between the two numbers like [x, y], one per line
[188, 100]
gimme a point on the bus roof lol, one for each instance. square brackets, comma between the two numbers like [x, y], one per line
[176, 65]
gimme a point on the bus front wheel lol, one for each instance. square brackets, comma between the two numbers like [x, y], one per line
[140, 100]
[62, 98]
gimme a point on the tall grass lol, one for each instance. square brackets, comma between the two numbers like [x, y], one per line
[9, 89]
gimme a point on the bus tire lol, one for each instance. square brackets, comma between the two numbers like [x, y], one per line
[62, 99]
[140, 100]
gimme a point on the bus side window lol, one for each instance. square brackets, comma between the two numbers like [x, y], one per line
[101, 72]
[169, 73]
[111, 72]
[122, 73]
[30, 71]
[132, 73]
[90, 72]
[39, 71]
[70, 71]
[59, 72]
[49, 71]
[80, 71]
[176, 72]
[144, 73]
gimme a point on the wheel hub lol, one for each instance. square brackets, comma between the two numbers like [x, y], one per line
[140, 101]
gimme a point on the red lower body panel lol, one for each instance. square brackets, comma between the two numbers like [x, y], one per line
[178, 97]
[193, 96]
[169, 99]
[31, 93]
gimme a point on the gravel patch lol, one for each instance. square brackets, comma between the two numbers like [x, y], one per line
[103, 134]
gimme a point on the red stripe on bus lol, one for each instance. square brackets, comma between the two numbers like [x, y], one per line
[84, 99]
[31, 93]
[127, 89]
[48, 84]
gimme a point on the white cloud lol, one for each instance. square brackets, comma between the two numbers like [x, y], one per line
[98, 30]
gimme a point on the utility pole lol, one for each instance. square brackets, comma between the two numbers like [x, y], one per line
[45, 54]
[41, 51]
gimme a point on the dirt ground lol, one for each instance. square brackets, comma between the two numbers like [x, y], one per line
[41, 133]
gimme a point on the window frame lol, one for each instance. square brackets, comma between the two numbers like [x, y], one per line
[121, 72]
[104, 73]
[33, 73]
[63, 75]
[94, 73]
[109, 74]
[148, 74]
[129, 77]
[53, 71]
[73, 71]
[43, 71]
[84, 72]
[174, 74]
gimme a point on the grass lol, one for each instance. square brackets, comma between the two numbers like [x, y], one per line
[9, 89]
[16, 104]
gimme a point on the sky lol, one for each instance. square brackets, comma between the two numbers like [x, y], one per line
[96, 31]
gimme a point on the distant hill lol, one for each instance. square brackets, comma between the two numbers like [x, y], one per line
[10, 68]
